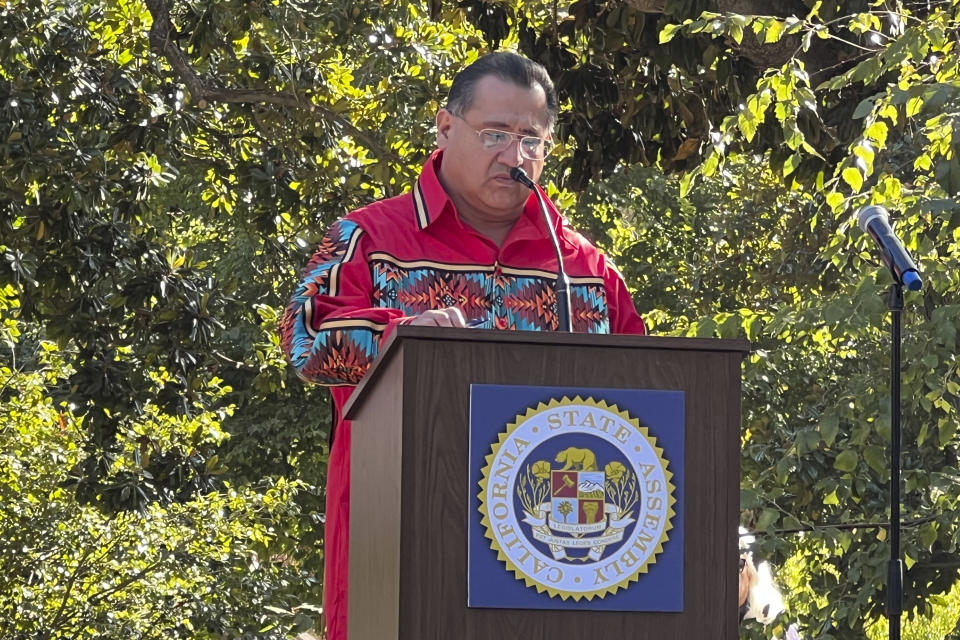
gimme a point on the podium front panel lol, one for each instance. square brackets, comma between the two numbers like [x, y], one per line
[410, 484]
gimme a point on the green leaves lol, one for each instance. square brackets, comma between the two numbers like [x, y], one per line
[668, 32]
[807, 441]
[162, 572]
[865, 107]
[878, 459]
[846, 461]
[853, 177]
[829, 427]
[767, 30]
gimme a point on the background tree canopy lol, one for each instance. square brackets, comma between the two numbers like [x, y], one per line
[166, 168]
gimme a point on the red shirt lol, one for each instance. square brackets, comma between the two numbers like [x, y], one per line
[394, 259]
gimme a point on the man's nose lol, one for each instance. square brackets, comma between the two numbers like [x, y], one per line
[511, 155]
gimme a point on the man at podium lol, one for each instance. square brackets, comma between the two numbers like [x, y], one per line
[467, 246]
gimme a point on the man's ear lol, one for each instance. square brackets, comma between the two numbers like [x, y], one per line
[444, 123]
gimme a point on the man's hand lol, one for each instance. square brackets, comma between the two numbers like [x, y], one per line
[448, 317]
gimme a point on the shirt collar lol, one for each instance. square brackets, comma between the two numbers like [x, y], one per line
[431, 202]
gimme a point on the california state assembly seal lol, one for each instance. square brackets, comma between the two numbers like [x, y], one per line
[576, 498]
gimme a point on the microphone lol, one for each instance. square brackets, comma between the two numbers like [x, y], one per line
[875, 221]
[518, 174]
[564, 313]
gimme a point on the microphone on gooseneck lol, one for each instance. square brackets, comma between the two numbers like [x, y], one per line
[564, 320]
[875, 221]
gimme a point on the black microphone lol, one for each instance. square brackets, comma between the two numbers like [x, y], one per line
[563, 283]
[875, 221]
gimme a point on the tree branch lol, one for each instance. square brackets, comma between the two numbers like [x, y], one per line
[72, 581]
[125, 582]
[163, 42]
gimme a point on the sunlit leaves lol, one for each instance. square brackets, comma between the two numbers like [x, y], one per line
[853, 176]
[163, 571]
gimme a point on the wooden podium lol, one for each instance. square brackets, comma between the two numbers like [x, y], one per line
[409, 480]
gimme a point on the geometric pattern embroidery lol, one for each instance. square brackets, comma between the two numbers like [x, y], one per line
[334, 352]
[504, 298]
[491, 296]
[347, 354]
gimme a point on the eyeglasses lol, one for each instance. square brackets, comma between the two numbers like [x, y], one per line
[531, 147]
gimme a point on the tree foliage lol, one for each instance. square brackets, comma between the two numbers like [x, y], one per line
[165, 169]
[205, 566]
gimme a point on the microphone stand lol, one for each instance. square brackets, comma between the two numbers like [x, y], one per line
[564, 319]
[895, 567]
[873, 220]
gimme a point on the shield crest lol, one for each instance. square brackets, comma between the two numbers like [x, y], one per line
[576, 496]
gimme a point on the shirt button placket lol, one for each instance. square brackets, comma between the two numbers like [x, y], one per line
[496, 296]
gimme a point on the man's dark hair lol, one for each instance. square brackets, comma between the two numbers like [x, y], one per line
[506, 66]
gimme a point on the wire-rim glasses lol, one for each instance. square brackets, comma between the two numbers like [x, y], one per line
[531, 147]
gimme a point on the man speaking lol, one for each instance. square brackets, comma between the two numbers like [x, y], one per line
[466, 246]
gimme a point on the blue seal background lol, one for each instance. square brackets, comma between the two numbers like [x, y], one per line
[490, 583]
